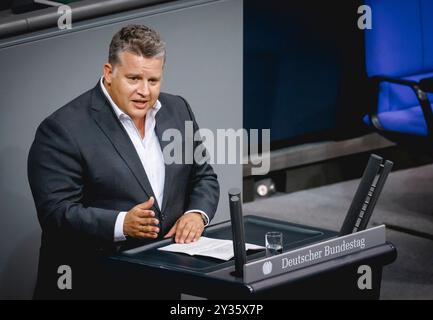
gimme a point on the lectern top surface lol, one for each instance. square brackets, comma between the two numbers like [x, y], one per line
[294, 235]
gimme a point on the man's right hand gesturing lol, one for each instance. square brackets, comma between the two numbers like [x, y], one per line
[140, 221]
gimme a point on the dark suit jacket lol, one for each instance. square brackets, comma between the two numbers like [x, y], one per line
[83, 170]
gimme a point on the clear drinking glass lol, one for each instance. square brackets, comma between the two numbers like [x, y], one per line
[274, 242]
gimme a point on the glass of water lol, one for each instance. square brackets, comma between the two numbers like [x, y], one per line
[274, 242]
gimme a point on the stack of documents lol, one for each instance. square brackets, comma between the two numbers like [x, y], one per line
[215, 248]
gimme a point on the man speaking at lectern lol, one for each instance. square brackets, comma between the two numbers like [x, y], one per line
[97, 172]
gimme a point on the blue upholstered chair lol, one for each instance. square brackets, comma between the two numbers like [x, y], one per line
[399, 61]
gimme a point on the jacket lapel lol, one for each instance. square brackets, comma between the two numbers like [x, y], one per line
[106, 119]
[162, 124]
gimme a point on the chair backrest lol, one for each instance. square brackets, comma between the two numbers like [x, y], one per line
[400, 44]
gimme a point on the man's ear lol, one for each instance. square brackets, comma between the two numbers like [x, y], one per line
[108, 72]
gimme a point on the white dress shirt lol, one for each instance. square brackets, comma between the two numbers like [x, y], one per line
[150, 154]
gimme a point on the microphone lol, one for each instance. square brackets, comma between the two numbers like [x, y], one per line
[367, 194]
[238, 231]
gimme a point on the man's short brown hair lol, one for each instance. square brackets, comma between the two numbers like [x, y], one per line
[136, 39]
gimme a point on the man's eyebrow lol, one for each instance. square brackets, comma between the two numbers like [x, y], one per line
[137, 75]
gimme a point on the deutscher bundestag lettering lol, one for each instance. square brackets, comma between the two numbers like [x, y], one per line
[313, 254]
[327, 251]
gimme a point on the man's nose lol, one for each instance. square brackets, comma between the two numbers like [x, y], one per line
[143, 88]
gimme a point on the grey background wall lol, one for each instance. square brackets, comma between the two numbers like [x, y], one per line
[44, 71]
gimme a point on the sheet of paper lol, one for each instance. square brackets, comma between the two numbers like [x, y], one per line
[215, 248]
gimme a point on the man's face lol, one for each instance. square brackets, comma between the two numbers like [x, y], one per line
[134, 83]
